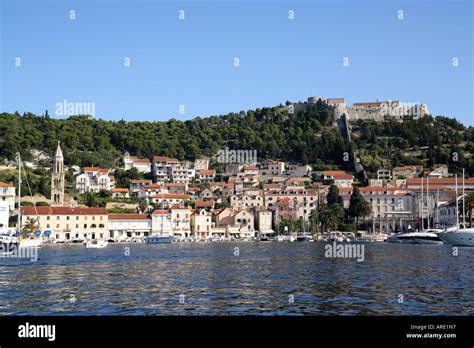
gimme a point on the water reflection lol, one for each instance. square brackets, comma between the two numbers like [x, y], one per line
[73, 280]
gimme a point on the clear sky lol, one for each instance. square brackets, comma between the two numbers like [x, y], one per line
[190, 62]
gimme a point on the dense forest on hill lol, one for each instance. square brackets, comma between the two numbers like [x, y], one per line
[307, 137]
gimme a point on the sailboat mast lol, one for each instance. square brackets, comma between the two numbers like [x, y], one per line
[463, 202]
[422, 206]
[428, 201]
[456, 201]
[18, 159]
[437, 208]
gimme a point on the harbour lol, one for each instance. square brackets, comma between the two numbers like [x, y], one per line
[238, 279]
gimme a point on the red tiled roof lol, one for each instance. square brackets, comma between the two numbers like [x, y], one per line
[4, 184]
[128, 217]
[204, 204]
[207, 171]
[175, 184]
[140, 181]
[119, 189]
[92, 169]
[30, 210]
[333, 172]
[160, 212]
[142, 160]
[250, 168]
[165, 159]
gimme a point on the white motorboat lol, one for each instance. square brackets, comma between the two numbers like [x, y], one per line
[97, 244]
[30, 242]
[457, 237]
[423, 237]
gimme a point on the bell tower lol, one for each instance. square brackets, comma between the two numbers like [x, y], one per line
[57, 178]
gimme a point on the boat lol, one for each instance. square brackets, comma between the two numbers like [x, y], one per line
[158, 239]
[30, 241]
[304, 238]
[423, 237]
[96, 244]
[457, 235]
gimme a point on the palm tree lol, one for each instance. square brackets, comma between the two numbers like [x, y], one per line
[30, 227]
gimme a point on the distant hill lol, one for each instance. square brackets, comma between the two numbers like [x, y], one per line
[309, 136]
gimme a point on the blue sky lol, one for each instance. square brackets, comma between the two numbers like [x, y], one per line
[190, 62]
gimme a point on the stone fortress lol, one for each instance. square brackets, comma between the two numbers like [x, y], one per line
[377, 111]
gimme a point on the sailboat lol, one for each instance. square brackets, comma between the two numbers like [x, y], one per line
[458, 236]
[24, 242]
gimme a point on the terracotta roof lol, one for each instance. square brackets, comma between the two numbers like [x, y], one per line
[92, 169]
[176, 184]
[119, 189]
[333, 172]
[250, 168]
[112, 177]
[140, 181]
[207, 171]
[342, 176]
[62, 211]
[161, 212]
[128, 217]
[4, 184]
[165, 159]
[201, 204]
[142, 160]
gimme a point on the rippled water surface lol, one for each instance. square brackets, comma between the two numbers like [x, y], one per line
[262, 280]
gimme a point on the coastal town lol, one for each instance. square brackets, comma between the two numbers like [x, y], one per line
[247, 200]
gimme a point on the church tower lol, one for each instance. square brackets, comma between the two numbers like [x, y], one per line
[57, 178]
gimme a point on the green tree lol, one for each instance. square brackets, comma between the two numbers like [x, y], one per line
[358, 206]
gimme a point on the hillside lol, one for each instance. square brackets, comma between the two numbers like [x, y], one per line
[308, 137]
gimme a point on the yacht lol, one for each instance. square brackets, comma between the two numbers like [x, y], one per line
[457, 237]
[423, 237]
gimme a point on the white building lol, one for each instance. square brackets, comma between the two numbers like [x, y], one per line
[201, 164]
[95, 179]
[161, 222]
[143, 165]
[272, 168]
[181, 220]
[201, 223]
[125, 226]
[7, 194]
[207, 175]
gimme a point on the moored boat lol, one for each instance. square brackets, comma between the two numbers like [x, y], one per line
[158, 239]
[96, 244]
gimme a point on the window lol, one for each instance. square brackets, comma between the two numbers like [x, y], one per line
[47, 217]
[57, 217]
[85, 225]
